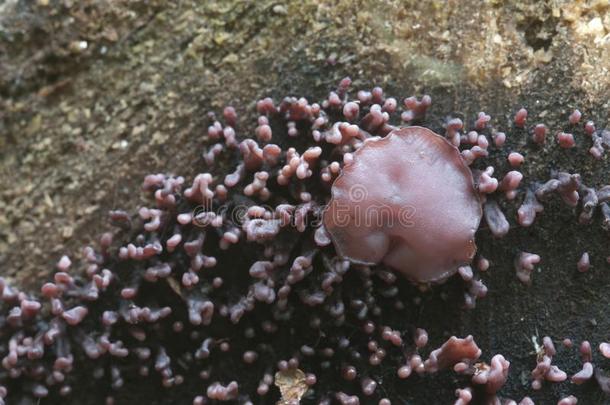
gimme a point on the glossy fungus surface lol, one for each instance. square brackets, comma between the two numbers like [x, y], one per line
[406, 200]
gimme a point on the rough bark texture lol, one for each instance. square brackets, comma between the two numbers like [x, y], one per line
[94, 95]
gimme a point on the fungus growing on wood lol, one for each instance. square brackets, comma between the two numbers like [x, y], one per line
[408, 201]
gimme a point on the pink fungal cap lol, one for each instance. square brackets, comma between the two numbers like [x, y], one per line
[515, 159]
[453, 351]
[416, 108]
[485, 182]
[230, 115]
[464, 396]
[483, 264]
[584, 374]
[583, 263]
[604, 349]
[586, 353]
[351, 110]
[421, 337]
[539, 135]
[494, 375]
[406, 200]
[482, 120]
[524, 266]
[64, 263]
[526, 214]
[590, 128]
[521, 118]
[569, 400]
[565, 140]
[453, 128]
[499, 139]
[510, 182]
[495, 219]
[574, 118]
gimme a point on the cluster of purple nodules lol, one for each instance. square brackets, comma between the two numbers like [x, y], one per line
[475, 287]
[462, 355]
[176, 271]
[110, 308]
[567, 186]
[546, 371]
[524, 266]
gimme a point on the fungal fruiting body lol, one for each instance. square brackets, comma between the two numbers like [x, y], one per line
[251, 266]
[406, 200]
